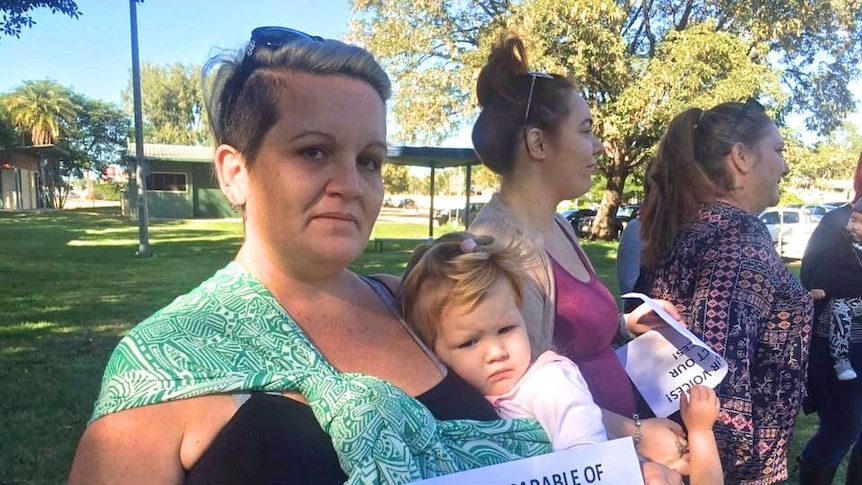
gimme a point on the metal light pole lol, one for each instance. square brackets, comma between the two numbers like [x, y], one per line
[140, 163]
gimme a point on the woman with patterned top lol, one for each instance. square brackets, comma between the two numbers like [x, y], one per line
[285, 366]
[706, 251]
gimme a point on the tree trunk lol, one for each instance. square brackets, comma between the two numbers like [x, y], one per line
[46, 179]
[605, 226]
[53, 188]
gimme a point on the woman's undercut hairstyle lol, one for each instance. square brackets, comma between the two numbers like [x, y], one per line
[456, 269]
[505, 89]
[689, 168]
[242, 100]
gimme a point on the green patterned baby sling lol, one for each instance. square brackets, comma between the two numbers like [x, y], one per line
[230, 335]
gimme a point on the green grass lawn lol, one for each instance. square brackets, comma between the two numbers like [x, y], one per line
[70, 288]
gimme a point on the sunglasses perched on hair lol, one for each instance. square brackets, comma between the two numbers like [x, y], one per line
[262, 37]
[750, 104]
[533, 76]
[275, 37]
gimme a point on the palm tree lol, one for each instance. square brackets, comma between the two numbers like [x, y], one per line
[38, 107]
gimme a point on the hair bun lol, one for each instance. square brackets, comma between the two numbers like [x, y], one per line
[506, 65]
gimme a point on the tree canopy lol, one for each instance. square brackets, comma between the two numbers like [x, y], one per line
[39, 107]
[171, 104]
[16, 14]
[636, 63]
[97, 136]
[831, 158]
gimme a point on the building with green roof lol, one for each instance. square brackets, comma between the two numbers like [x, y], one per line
[181, 183]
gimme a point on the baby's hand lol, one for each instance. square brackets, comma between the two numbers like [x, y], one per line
[818, 294]
[655, 474]
[699, 409]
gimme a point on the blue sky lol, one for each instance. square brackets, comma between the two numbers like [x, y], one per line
[92, 54]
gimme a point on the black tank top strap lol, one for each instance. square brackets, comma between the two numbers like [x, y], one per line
[391, 301]
[384, 292]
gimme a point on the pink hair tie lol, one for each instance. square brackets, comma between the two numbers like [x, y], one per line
[468, 245]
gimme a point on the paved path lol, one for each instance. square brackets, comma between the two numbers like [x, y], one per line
[410, 216]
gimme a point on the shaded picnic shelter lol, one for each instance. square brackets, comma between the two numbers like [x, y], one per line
[434, 158]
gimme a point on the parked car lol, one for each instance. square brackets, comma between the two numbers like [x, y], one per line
[575, 216]
[790, 229]
[624, 214]
[407, 203]
[817, 211]
[443, 216]
[833, 205]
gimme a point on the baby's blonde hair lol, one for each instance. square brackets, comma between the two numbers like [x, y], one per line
[456, 269]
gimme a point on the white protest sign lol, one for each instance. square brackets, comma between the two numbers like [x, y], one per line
[609, 463]
[665, 363]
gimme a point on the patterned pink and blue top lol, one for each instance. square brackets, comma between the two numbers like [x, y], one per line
[734, 291]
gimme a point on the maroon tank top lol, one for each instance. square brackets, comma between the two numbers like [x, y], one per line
[585, 323]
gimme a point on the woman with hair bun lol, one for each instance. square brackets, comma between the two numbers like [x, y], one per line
[705, 250]
[536, 132]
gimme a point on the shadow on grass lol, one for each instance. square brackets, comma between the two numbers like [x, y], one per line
[71, 287]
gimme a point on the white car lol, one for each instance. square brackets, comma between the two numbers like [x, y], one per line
[790, 229]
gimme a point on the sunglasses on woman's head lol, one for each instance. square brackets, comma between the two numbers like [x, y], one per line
[750, 104]
[264, 37]
[533, 76]
[275, 37]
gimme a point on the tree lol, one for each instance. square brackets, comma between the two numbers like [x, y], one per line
[832, 158]
[97, 136]
[16, 13]
[396, 178]
[8, 134]
[420, 184]
[38, 108]
[172, 104]
[484, 179]
[637, 63]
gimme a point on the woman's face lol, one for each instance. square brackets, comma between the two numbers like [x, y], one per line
[574, 151]
[315, 189]
[768, 169]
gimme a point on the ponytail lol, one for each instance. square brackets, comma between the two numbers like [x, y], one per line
[690, 169]
[678, 187]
